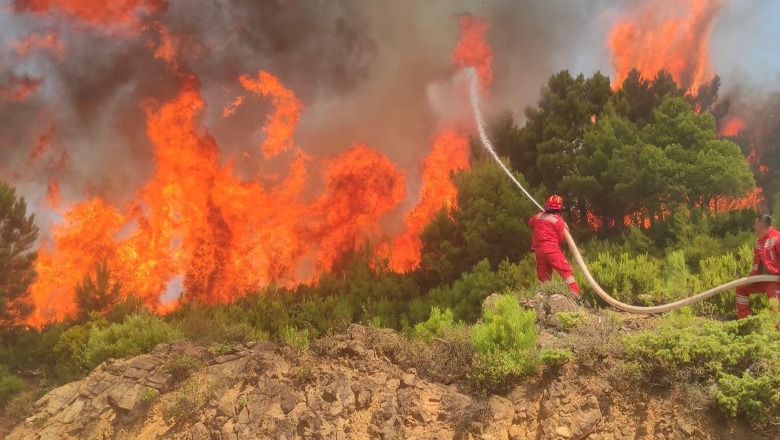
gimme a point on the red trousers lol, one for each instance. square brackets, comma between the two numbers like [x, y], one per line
[549, 259]
[772, 290]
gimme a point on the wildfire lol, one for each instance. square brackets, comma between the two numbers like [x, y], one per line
[197, 224]
[280, 126]
[48, 42]
[732, 127]
[95, 13]
[19, 88]
[450, 153]
[671, 36]
[232, 107]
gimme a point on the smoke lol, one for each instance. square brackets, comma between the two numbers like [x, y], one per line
[363, 71]
[378, 73]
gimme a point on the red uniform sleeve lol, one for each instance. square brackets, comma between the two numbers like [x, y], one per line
[756, 260]
[560, 227]
[531, 221]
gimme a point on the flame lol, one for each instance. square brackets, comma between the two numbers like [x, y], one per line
[19, 88]
[751, 200]
[168, 47]
[732, 127]
[280, 125]
[665, 36]
[48, 42]
[85, 235]
[755, 163]
[53, 197]
[472, 49]
[196, 224]
[43, 145]
[361, 186]
[232, 107]
[196, 220]
[450, 153]
[96, 13]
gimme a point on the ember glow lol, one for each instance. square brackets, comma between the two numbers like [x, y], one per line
[662, 35]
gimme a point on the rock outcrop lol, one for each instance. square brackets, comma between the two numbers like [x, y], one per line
[344, 389]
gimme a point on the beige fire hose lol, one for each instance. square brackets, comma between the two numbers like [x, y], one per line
[665, 307]
[573, 246]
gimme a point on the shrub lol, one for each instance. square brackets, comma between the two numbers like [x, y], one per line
[630, 279]
[183, 404]
[182, 367]
[435, 326]
[218, 324]
[21, 405]
[505, 344]
[555, 357]
[147, 399]
[9, 385]
[568, 321]
[295, 338]
[738, 359]
[464, 296]
[140, 333]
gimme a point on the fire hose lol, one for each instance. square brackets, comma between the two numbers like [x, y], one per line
[474, 94]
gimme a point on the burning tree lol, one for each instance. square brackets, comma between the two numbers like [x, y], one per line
[18, 233]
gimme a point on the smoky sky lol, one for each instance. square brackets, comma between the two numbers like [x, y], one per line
[376, 72]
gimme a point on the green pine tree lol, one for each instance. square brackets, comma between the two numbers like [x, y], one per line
[18, 234]
[99, 294]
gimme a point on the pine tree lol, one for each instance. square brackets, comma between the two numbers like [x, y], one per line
[18, 234]
[98, 295]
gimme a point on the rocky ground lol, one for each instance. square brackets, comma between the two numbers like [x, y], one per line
[346, 387]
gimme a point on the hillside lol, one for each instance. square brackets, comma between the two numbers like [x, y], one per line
[374, 383]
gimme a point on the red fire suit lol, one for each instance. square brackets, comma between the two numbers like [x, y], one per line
[545, 241]
[766, 260]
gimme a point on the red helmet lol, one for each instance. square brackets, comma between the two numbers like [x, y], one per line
[554, 202]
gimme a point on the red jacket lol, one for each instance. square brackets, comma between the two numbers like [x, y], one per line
[547, 231]
[765, 254]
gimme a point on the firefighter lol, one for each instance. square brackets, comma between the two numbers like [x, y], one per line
[766, 261]
[547, 235]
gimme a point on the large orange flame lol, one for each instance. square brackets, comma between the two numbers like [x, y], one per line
[662, 35]
[280, 126]
[450, 153]
[196, 224]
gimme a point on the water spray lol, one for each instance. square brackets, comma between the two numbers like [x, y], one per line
[474, 92]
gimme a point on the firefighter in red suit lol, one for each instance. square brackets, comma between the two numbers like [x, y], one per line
[546, 239]
[766, 261]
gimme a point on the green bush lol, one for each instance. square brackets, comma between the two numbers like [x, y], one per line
[464, 296]
[629, 279]
[505, 344]
[295, 338]
[438, 323]
[218, 324]
[738, 359]
[140, 333]
[182, 367]
[9, 385]
[568, 321]
[184, 404]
